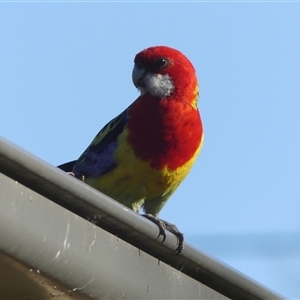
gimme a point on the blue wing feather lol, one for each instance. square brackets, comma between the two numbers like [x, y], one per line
[98, 158]
[67, 167]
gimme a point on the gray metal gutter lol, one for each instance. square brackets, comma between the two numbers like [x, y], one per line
[116, 255]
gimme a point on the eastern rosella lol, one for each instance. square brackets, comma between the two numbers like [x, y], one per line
[140, 157]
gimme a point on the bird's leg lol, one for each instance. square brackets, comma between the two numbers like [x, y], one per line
[163, 226]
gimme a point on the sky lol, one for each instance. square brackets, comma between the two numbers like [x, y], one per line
[66, 71]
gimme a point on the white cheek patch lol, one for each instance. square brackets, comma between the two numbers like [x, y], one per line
[157, 85]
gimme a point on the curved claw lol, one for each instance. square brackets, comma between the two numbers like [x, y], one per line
[159, 223]
[163, 226]
[173, 228]
[82, 177]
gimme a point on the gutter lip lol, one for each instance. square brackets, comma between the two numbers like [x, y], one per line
[112, 216]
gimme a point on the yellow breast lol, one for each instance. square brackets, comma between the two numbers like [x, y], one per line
[133, 182]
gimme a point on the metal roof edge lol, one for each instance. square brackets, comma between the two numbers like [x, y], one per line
[115, 218]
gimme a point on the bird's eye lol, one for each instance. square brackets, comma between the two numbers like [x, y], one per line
[160, 63]
[139, 65]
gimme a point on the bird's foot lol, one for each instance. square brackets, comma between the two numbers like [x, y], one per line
[82, 177]
[159, 223]
[163, 226]
[173, 229]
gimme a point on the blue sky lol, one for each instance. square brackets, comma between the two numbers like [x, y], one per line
[66, 71]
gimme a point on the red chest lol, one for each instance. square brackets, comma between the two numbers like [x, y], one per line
[164, 132]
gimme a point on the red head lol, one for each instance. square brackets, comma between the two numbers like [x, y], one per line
[163, 72]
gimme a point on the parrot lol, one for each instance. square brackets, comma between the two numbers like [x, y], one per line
[141, 156]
